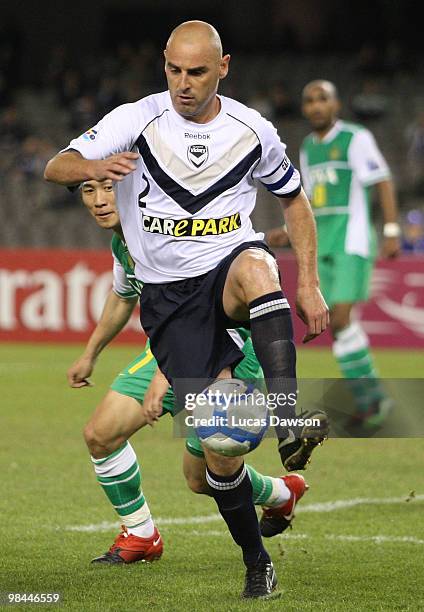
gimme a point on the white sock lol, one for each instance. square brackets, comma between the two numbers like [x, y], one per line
[145, 530]
[280, 493]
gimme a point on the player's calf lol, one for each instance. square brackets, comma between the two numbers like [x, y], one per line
[231, 488]
[118, 473]
[120, 478]
[253, 283]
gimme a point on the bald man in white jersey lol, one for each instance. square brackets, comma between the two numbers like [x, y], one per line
[186, 164]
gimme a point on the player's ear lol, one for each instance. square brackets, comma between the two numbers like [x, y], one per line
[224, 66]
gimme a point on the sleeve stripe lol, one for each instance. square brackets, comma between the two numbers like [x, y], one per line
[292, 194]
[283, 181]
[274, 171]
[380, 175]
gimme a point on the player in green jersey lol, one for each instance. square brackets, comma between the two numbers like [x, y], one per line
[340, 162]
[138, 396]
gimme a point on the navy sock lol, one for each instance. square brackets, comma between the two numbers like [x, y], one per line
[233, 495]
[272, 337]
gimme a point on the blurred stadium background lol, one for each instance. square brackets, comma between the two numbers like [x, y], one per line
[357, 545]
[63, 65]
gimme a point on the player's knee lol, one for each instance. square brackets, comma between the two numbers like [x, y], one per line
[197, 484]
[98, 443]
[91, 439]
[258, 268]
[222, 465]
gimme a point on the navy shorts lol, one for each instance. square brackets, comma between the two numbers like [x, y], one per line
[186, 324]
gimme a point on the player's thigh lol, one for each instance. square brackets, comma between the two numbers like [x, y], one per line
[117, 416]
[135, 379]
[253, 273]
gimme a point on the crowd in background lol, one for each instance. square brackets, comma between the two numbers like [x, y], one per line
[37, 120]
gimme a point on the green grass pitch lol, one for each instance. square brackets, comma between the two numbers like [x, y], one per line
[349, 555]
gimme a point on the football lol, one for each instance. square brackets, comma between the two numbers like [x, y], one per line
[231, 417]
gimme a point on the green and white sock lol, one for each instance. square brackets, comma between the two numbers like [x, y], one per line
[267, 491]
[120, 478]
[351, 349]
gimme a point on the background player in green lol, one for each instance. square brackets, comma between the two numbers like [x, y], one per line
[138, 396]
[339, 163]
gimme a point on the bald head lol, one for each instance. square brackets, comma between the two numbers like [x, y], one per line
[194, 65]
[326, 86]
[197, 34]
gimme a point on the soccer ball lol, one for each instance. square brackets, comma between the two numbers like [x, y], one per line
[231, 417]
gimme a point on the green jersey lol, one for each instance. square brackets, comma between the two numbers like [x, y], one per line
[125, 283]
[337, 173]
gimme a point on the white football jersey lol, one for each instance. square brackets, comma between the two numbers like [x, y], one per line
[188, 203]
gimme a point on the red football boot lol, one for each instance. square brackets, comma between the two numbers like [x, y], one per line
[276, 520]
[129, 548]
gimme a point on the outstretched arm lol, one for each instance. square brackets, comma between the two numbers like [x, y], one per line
[301, 231]
[115, 315]
[71, 168]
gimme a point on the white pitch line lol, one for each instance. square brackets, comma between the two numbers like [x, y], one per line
[183, 520]
[331, 506]
[211, 532]
[342, 504]
[93, 527]
[377, 539]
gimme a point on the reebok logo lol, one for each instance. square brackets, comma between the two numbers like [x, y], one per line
[197, 136]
